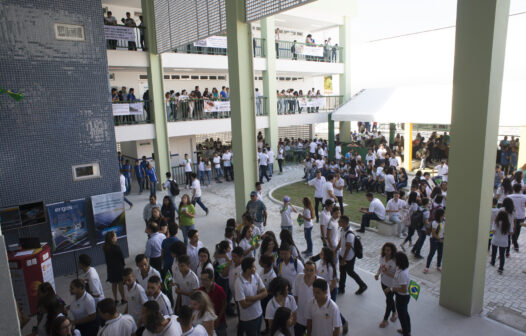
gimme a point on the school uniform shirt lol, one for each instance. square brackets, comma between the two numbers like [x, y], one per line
[217, 162]
[389, 183]
[370, 157]
[193, 252]
[378, 208]
[327, 187]
[267, 277]
[280, 154]
[339, 183]
[173, 328]
[441, 228]
[347, 237]
[150, 173]
[187, 165]
[306, 214]
[198, 321]
[41, 327]
[143, 281]
[136, 298]
[332, 235]
[393, 205]
[187, 283]
[402, 278]
[94, 284]
[122, 325]
[442, 171]
[426, 216]
[233, 274]
[389, 266]
[289, 271]
[318, 186]
[338, 152]
[325, 217]
[82, 307]
[167, 187]
[519, 201]
[270, 155]
[393, 162]
[197, 330]
[286, 215]
[245, 245]
[201, 166]
[319, 164]
[500, 239]
[200, 271]
[263, 159]
[165, 306]
[196, 185]
[154, 245]
[244, 288]
[312, 147]
[226, 159]
[326, 272]
[324, 318]
[273, 305]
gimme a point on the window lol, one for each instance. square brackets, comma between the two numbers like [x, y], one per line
[203, 77]
[86, 171]
[212, 77]
[221, 77]
[166, 76]
[195, 77]
[185, 77]
[143, 76]
[176, 77]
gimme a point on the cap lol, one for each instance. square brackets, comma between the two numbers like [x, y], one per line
[286, 199]
[253, 193]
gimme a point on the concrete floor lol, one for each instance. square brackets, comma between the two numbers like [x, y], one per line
[363, 312]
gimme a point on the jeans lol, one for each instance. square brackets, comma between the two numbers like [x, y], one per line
[340, 202]
[140, 180]
[348, 269]
[280, 164]
[263, 173]
[308, 238]
[299, 330]
[389, 303]
[128, 184]
[251, 328]
[401, 185]
[188, 178]
[208, 175]
[366, 219]
[420, 242]
[334, 295]
[185, 230]
[229, 173]
[153, 188]
[201, 176]
[127, 200]
[198, 201]
[289, 228]
[401, 307]
[502, 256]
[516, 232]
[270, 168]
[410, 234]
[219, 173]
[395, 218]
[317, 202]
[436, 245]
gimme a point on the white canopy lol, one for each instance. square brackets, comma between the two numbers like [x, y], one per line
[425, 105]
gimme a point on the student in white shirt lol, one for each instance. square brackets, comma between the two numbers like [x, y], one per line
[279, 290]
[401, 290]
[347, 257]
[135, 294]
[288, 266]
[376, 211]
[318, 182]
[519, 202]
[157, 324]
[91, 278]
[249, 248]
[442, 171]
[339, 185]
[203, 311]
[189, 328]
[390, 183]
[370, 157]
[144, 271]
[116, 323]
[154, 293]
[270, 154]
[227, 164]
[282, 322]
[166, 186]
[286, 214]
[154, 245]
[196, 193]
[280, 157]
[325, 217]
[332, 229]
[387, 271]
[185, 281]
[263, 165]
[502, 229]
[393, 209]
[217, 167]
[438, 227]
[306, 215]
[338, 151]
[328, 189]
[187, 163]
[249, 292]
[234, 268]
[323, 315]
[83, 309]
[204, 263]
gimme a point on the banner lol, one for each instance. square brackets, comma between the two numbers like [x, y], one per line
[108, 215]
[212, 42]
[119, 33]
[216, 106]
[68, 226]
[309, 50]
[127, 109]
[311, 102]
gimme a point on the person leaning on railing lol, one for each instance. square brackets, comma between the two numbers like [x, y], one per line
[110, 20]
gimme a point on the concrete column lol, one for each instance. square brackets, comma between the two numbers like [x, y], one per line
[269, 83]
[392, 133]
[522, 148]
[345, 78]
[8, 311]
[331, 137]
[477, 85]
[408, 146]
[155, 85]
[243, 115]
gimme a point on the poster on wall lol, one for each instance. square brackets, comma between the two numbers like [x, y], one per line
[108, 215]
[216, 106]
[68, 224]
[327, 85]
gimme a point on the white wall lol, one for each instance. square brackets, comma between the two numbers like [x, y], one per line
[120, 12]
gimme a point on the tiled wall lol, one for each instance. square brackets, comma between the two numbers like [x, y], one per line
[65, 118]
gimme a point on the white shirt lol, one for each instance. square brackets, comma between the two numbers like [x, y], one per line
[338, 152]
[500, 239]
[442, 171]
[173, 328]
[442, 229]
[123, 183]
[244, 288]
[153, 245]
[273, 305]
[389, 183]
[319, 164]
[83, 306]
[280, 153]
[267, 277]
[123, 325]
[289, 271]
[263, 159]
[393, 162]
[136, 298]
[306, 214]
[245, 245]
[332, 232]
[197, 330]
[270, 155]
[187, 283]
[327, 187]
[393, 205]
[325, 217]
[519, 201]
[402, 278]
[286, 215]
[196, 185]
[370, 157]
[95, 286]
[318, 184]
[324, 318]
[339, 183]
[144, 281]
[193, 252]
[389, 266]
[201, 166]
[187, 165]
[217, 162]
[226, 159]
[200, 271]
[165, 306]
[304, 294]
[377, 207]
[312, 147]
[381, 153]
[326, 272]
[347, 237]
[233, 274]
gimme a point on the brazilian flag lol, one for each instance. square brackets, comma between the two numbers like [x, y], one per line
[254, 241]
[414, 290]
[167, 281]
[220, 268]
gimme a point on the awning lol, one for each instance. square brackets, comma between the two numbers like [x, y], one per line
[425, 105]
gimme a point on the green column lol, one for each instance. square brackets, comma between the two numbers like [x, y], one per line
[269, 83]
[345, 78]
[392, 133]
[155, 85]
[331, 137]
[243, 115]
[477, 84]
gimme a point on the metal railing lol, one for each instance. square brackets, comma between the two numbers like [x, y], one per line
[142, 118]
[138, 44]
[203, 109]
[308, 52]
[257, 45]
[304, 104]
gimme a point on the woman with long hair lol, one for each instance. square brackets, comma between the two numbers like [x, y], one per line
[402, 179]
[186, 216]
[412, 203]
[504, 190]
[204, 262]
[282, 322]
[50, 309]
[286, 237]
[201, 170]
[438, 227]
[509, 207]
[306, 215]
[63, 327]
[114, 265]
[502, 229]
[168, 210]
[401, 290]
[279, 289]
[269, 246]
[204, 313]
[249, 249]
[387, 271]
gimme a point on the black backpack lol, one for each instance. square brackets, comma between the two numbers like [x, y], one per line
[417, 219]
[174, 188]
[358, 247]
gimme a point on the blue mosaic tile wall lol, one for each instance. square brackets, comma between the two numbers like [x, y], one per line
[65, 118]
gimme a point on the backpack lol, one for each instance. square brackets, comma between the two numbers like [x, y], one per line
[174, 188]
[279, 261]
[433, 210]
[417, 219]
[358, 247]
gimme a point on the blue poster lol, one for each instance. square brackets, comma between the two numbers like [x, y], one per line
[108, 215]
[68, 226]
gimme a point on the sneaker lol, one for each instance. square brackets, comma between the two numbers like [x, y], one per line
[383, 324]
[500, 271]
[361, 290]
[426, 270]
[439, 269]
[345, 329]
[342, 290]
[207, 212]
[516, 249]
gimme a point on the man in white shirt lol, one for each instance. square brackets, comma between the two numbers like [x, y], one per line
[380, 153]
[312, 147]
[249, 291]
[339, 185]
[370, 157]
[144, 271]
[390, 184]
[393, 208]
[442, 171]
[154, 245]
[187, 163]
[323, 315]
[318, 182]
[185, 319]
[328, 189]
[186, 281]
[196, 192]
[270, 154]
[193, 247]
[116, 324]
[135, 295]
[157, 323]
[347, 257]
[325, 217]
[519, 201]
[332, 230]
[263, 165]
[123, 189]
[338, 151]
[154, 294]
[217, 167]
[376, 211]
[227, 164]
[91, 277]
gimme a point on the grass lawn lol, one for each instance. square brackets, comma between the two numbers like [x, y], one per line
[353, 201]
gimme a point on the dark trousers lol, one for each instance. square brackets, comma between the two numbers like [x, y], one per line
[89, 329]
[141, 184]
[280, 164]
[502, 256]
[188, 176]
[348, 269]
[317, 202]
[263, 173]
[366, 219]
[340, 201]
[390, 194]
[299, 330]
[401, 307]
[389, 303]
[308, 238]
[157, 263]
[132, 45]
[410, 234]
[436, 245]
[420, 242]
[198, 201]
[251, 328]
[516, 232]
[229, 174]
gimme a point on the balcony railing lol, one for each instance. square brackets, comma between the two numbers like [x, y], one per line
[204, 50]
[134, 41]
[308, 51]
[140, 116]
[304, 104]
